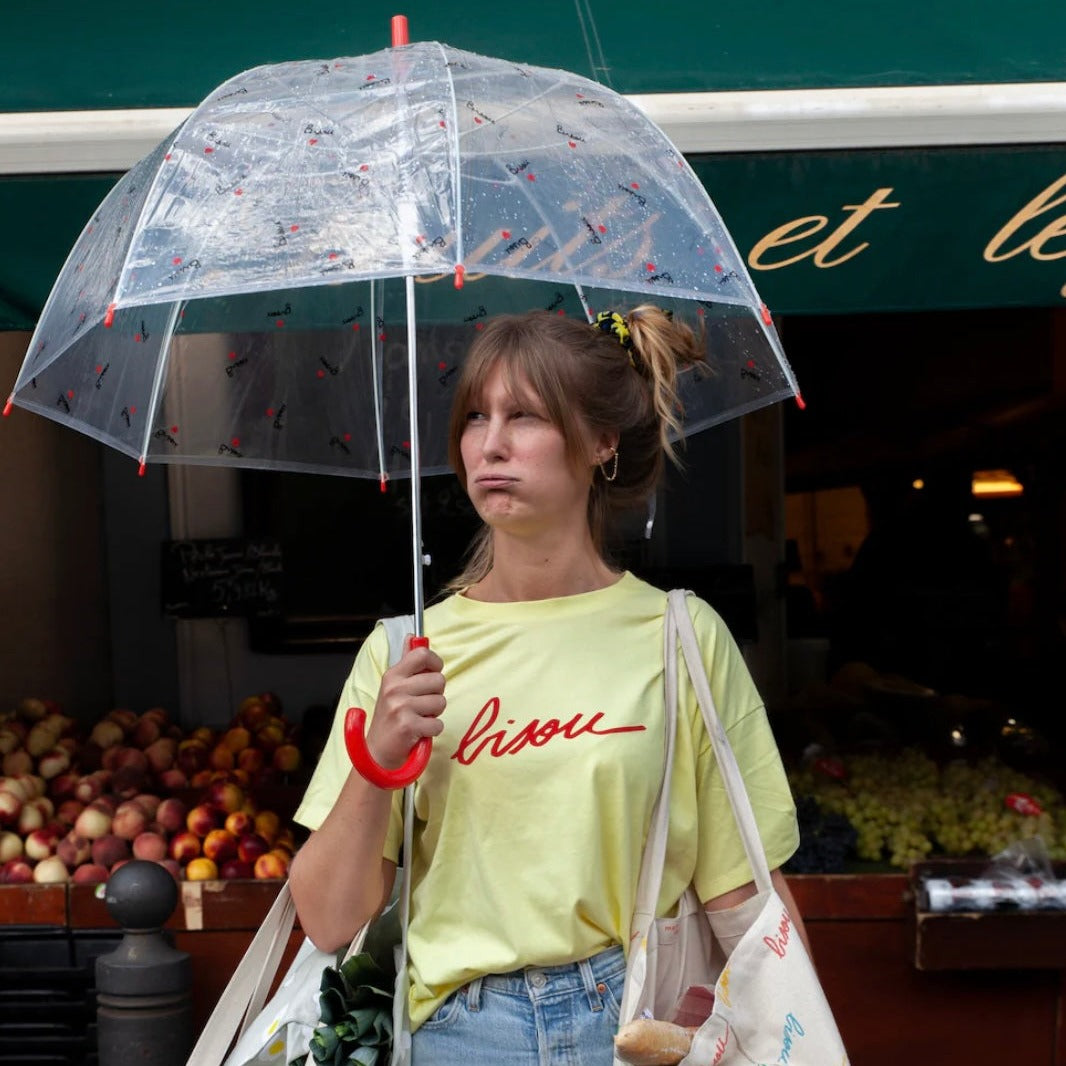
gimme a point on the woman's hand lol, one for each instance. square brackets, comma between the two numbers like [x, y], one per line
[409, 705]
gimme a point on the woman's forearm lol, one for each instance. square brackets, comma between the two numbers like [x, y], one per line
[338, 879]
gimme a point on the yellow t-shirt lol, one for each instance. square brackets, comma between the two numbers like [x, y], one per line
[532, 813]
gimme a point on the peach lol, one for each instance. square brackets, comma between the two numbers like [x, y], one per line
[173, 779]
[251, 846]
[19, 761]
[148, 802]
[51, 871]
[220, 846]
[16, 872]
[267, 825]
[173, 866]
[161, 754]
[74, 849]
[16, 787]
[204, 734]
[236, 869]
[31, 817]
[41, 738]
[149, 846]
[239, 823]
[252, 711]
[10, 808]
[251, 760]
[90, 873]
[9, 740]
[201, 779]
[32, 707]
[147, 731]
[236, 738]
[227, 796]
[221, 758]
[286, 758]
[106, 803]
[68, 811]
[269, 736]
[124, 718]
[10, 846]
[130, 820]
[106, 734]
[127, 781]
[110, 849]
[62, 786]
[90, 787]
[202, 819]
[53, 762]
[45, 806]
[40, 844]
[270, 866]
[201, 870]
[160, 714]
[171, 814]
[184, 846]
[93, 823]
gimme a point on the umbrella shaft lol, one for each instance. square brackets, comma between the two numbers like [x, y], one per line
[416, 466]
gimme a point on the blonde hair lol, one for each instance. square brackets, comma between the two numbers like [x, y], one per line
[587, 380]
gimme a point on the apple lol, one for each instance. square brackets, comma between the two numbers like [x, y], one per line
[107, 733]
[184, 846]
[220, 846]
[16, 872]
[74, 850]
[10, 846]
[41, 844]
[202, 819]
[251, 846]
[110, 849]
[171, 814]
[10, 808]
[269, 866]
[150, 846]
[130, 820]
[236, 869]
[93, 823]
[90, 873]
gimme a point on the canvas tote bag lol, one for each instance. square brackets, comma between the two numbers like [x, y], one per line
[768, 1006]
[279, 1031]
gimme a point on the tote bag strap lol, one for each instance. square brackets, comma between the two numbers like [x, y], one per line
[723, 752]
[649, 882]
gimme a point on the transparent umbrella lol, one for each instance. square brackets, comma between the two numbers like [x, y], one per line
[291, 279]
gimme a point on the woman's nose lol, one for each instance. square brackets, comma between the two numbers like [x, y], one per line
[494, 442]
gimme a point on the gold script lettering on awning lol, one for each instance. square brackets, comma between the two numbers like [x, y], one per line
[1041, 204]
[801, 228]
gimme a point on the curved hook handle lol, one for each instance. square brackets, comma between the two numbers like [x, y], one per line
[364, 762]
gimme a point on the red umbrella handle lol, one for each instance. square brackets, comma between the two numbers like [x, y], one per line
[364, 762]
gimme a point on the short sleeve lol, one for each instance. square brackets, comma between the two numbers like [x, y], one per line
[360, 690]
[721, 863]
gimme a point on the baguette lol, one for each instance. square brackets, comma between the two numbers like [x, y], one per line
[647, 1042]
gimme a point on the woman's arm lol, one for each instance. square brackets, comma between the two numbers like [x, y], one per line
[339, 879]
[739, 895]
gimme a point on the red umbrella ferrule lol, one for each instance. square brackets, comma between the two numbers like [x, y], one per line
[109, 317]
[400, 34]
[7, 406]
[460, 275]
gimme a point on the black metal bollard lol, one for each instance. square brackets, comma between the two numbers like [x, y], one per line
[143, 1004]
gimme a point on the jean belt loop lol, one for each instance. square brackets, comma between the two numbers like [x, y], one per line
[588, 979]
[473, 995]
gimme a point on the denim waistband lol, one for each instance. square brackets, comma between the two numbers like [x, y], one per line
[552, 982]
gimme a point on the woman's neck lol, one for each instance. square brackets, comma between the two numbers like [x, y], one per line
[522, 570]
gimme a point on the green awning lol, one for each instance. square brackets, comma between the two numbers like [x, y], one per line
[822, 232]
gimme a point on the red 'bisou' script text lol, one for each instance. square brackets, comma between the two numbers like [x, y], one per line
[779, 944]
[477, 738]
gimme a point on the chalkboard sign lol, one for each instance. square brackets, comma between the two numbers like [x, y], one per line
[222, 578]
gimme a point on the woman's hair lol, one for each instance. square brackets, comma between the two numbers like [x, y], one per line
[587, 379]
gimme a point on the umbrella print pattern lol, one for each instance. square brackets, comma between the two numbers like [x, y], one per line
[240, 296]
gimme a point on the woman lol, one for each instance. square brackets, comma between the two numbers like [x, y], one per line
[542, 687]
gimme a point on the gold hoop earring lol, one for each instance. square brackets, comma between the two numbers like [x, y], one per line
[614, 468]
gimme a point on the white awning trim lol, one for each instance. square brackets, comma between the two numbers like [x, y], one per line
[55, 142]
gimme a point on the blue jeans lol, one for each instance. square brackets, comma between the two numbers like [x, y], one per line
[539, 1016]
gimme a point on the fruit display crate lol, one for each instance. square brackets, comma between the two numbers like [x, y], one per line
[1006, 939]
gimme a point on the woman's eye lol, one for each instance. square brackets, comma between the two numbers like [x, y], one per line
[474, 416]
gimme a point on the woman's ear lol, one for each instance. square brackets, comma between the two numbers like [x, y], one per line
[606, 446]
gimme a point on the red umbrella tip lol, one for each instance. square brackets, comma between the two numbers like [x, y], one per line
[140, 469]
[801, 403]
[460, 275]
[7, 406]
[109, 318]
[399, 31]
[384, 483]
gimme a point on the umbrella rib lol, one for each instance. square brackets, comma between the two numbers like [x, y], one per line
[456, 170]
[157, 380]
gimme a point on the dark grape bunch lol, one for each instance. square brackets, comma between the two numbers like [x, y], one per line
[827, 840]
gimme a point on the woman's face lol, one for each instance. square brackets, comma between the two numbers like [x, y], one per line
[518, 473]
